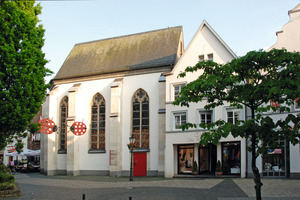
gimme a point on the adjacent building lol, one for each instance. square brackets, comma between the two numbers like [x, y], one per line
[181, 148]
[284, 161]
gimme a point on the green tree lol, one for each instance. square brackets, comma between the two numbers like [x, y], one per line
[249, 82]
[22, 66]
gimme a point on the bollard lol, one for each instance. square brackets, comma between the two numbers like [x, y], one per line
[83, 196]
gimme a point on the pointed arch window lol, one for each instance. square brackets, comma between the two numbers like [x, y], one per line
[63, 124]
[140, 118]
[98, 123]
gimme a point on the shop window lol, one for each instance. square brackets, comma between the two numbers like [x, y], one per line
[185, 159]
[233, 116]
[274, 162]
[179, 119]
[98, 123]
[140, 119]
[63, 124]
[231, 157]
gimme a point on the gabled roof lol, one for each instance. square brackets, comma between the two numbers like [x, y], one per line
[138, 51]
[204, 23]
[204, 34]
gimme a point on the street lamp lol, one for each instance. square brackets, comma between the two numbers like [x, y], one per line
[131, 147]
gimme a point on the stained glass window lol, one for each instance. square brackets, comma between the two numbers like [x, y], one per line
[63, 123]
[98, 122]
[140, 118]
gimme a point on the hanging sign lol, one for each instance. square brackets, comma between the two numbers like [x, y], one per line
[47, 126]
[78, 128]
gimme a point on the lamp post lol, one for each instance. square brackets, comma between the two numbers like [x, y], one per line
[131, 147]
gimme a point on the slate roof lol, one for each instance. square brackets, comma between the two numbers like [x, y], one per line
[138, 51]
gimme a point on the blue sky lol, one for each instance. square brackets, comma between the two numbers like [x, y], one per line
[243, 25]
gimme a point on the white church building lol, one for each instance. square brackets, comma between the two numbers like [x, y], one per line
[116, 88]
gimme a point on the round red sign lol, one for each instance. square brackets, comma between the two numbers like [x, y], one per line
[47, 126]
[78, 128]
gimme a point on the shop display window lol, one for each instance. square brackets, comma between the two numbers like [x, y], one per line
[274, 162]
[231, 157]
[185, 159]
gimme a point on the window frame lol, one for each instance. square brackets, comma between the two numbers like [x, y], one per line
[180, 85]
[210, 56]
[200, 111]
[201, 58]
[98, 102]
[141, 132]
[63, 124]
[233, 116]
[176, 114]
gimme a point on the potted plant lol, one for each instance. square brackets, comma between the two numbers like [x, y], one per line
[219, 171]
[195, 168]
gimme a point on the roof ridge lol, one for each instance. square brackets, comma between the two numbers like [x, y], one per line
[129, 35]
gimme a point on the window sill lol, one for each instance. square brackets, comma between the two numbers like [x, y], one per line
[62, 151]
[94, 151]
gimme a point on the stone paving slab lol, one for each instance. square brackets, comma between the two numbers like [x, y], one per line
[271, 187]
[41, 187]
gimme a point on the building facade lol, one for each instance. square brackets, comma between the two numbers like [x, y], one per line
[182, 147]
[284, 161]
[125, 86]
[116, 88]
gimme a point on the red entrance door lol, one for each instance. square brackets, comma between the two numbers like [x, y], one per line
[140, 164]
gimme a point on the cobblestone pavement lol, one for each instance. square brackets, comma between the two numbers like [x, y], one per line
[40, 187]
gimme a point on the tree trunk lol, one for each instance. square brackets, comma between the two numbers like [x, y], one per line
[255, 170]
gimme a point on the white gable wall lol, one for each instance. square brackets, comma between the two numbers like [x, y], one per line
[205, 42]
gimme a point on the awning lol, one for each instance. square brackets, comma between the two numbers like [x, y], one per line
[25, 152]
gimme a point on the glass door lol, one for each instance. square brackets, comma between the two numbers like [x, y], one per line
[207, 159]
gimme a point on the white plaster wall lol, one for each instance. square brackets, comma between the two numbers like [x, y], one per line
[204, 42]
[84, 97]
[131, 84]
[295, 158]
[289, 36]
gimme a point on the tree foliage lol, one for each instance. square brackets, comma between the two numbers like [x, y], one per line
[22, 65]
[250, 82]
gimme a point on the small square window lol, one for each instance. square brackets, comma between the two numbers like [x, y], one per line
[210, 57]
[201, 58]
[179, 119]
